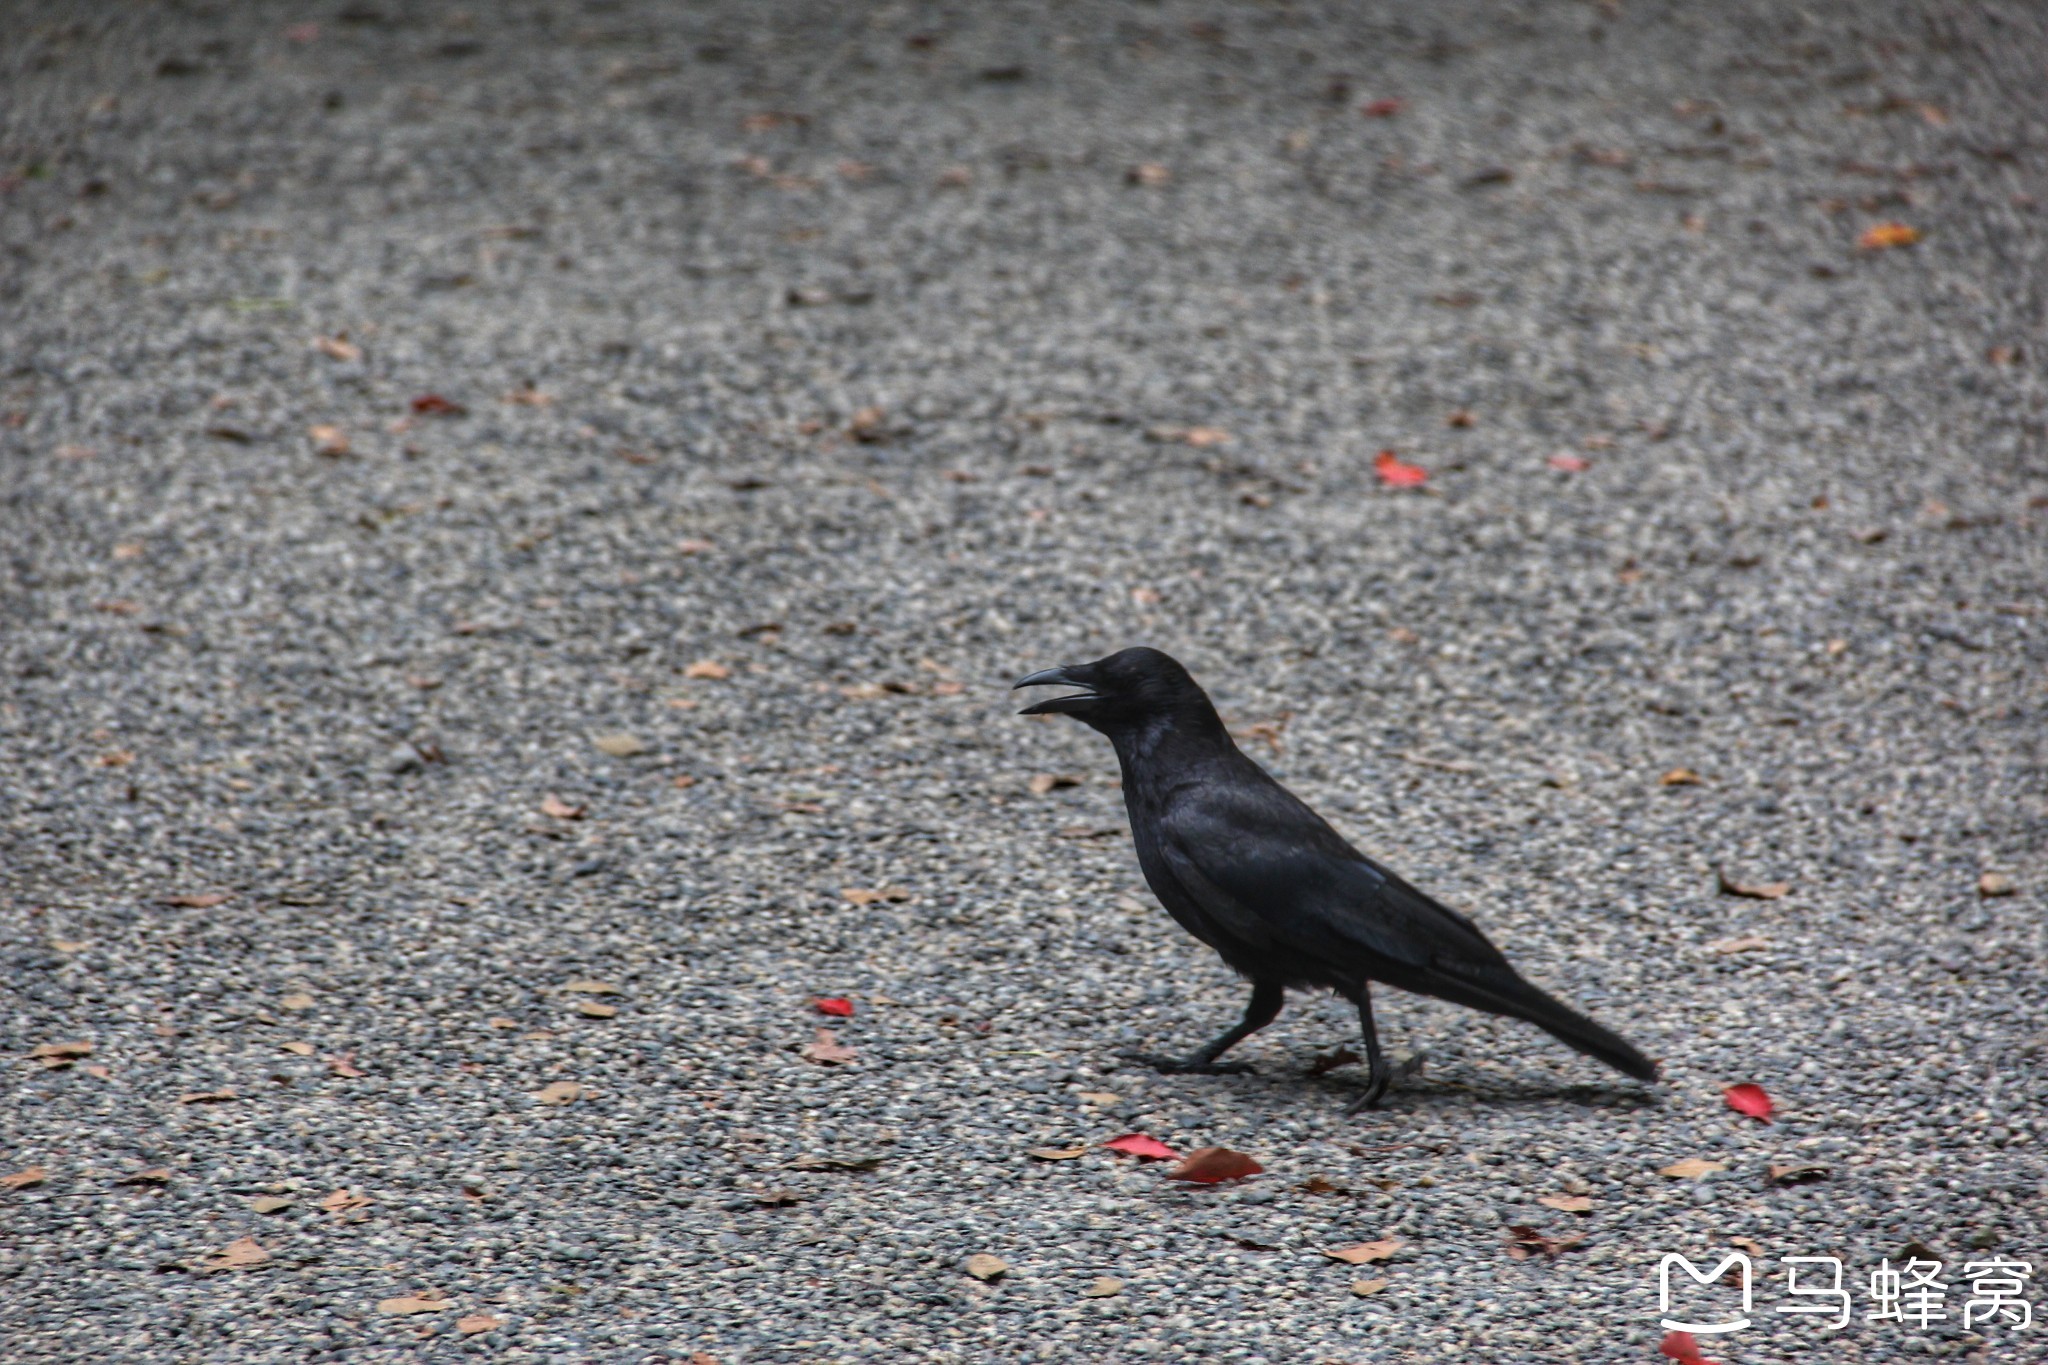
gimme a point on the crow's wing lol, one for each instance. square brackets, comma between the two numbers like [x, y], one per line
[1272, 874]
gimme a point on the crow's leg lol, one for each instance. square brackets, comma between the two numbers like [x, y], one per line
[1379, 1075]
[1267, 998]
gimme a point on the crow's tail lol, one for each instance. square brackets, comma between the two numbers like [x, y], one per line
[1511, 995]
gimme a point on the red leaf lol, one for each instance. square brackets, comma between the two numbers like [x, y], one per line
[1209, 1165]
[1382, 108]
[1681, 1347]
[1396, 474]
[1145, 1148]
[1749, 1099]
[833, 1004]
[1570, 464]
[434, 405]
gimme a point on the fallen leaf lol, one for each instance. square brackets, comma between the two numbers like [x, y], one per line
[1365, 1253]
[430, 1302]
[1316, 1184]
[1692, 1168]
[592, 1009]
[1569, 463]
[556, 808]
[1103, 1287]
[345, 1201]
[591, 988]
[1884, 236]
[1994, 884]
[1796, 1173]
[559, 1092]
[1760, 891]
[1041, 783]
[244, 1253]
[709, 669]
[1212, 1165]
[155, 1175]
[1142, 1147]
[1330, 1061]
[1567, 1203]
[1199, 437]
[56, 1056]
[859, 896]
[344, 1064]
[620, 745]
[1365, 1288]
[987, 1268]
[1729, 946]
[478, 1322]
[197, 900]
[527, 396]
[1680, 777]
[1148, 173]
[297, 1002]
[1386, 108]
[22, 1180]
[69, 945]
[330, 441]
[1099, 1097]
[826, 1050]
[1748, 1099]
[837, 1006]
[434, 405]
[1057, 1153]
[99, 1072]
[220, 1096]
[338, 347]
[1525, 1241]
[1395, 473]
[270, 1203]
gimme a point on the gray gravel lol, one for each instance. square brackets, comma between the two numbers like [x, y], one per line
[850, 349]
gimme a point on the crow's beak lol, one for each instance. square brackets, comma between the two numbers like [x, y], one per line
[1054, 677]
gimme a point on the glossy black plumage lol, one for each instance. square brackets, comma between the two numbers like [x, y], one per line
[1249, 869]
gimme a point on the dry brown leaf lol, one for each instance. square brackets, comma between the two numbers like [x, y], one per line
[1692, 1168]
[1316, 1184]
[1148, 173]
[527, 396]
[986, 1268]
[1728, 946]
[1364, 1253]
[555, 808]
[1103, 1287]
[344, 1064]
[559, 1092]
[1994, 884]
[69, 945]
[1100, 1097]
[1748, 1244]
[271, 1203]
[98, 1072]
[345, 1202]
[1364, 1288]
[1567, 1203]
[296, 1002]
[1680, 777]
[433, 1301]
[1525, 1241]
[155, 1175]
[197, 900]
[60, 1054]
[1797, 1173]
[620, 745]
[1758, 891]
[1041, 783]
[708, 669]
[338, 347]
[592, 988]
[826, 1050]
[21, 1180]
[328, 440]
[1057, 1153]
[220, 1096]
[861, 896]
[298, 1049]
[592, 1009]
[1213, 1165]
[478, 1322]
[244, 1253]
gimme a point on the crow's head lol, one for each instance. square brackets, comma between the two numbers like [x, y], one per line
[1130, 688]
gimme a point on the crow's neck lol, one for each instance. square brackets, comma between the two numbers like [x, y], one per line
[1163, 749]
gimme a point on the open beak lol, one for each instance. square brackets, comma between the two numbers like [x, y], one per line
[1062, 676]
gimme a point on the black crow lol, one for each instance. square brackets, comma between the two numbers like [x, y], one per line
[1245, 866]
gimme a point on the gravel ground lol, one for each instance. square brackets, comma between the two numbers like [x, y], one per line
[825, 367]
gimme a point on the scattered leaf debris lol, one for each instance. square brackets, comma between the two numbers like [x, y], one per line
[826, 1050]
